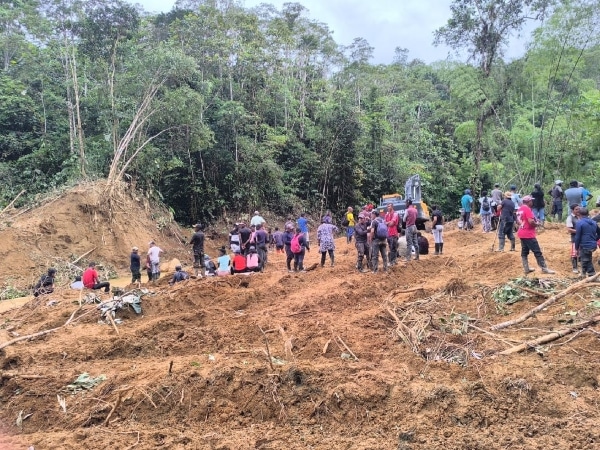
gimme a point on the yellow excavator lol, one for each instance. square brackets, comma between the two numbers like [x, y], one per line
[412, 190]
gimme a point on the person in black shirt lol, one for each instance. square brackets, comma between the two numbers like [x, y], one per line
[507, 222]
[538, 204]
[197, 243]
[245, 235]
[46, 283]
[135, 266]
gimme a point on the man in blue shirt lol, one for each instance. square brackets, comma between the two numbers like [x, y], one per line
[587, 195]
[585, 241]
[303, 225]
[467, 206]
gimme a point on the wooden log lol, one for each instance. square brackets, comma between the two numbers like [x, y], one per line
[84, 255]
[551, 336]
[547, 303]
[13, 202]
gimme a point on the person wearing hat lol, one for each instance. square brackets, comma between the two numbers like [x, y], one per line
[46, 283]
[507, 222]
[197, 243]
[587, 195]
[557, 200]
[466, 203]
[526, 233]
[574, 194]
[515, 197]
[179, 275]
[91, 281]
[257, 219]
[135, 265]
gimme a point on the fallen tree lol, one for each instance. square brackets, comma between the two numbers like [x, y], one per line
[547, 303]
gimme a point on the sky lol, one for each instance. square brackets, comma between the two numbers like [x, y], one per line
[385, 24]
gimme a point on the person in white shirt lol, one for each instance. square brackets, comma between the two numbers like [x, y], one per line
[154, 256]
[257, 219]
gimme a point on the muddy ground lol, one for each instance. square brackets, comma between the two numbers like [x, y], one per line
[403, 360]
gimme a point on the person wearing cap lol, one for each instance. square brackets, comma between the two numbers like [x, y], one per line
[526, 233]
[257, 219]
[91, 281]
[135, 265]
[288, 235]
[507, 222]
[539, 204]
[574, 194]
[515, 197]
[46, 283]
[557, 200]
[179, 275]
[154, 253]
[586, 235]
[197, 243]
[466, 203]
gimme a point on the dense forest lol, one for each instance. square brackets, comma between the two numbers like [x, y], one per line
[214, 106]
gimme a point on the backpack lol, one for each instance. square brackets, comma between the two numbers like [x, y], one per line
[252, 261]
[381, 232]
[295, 246]
[485, 205]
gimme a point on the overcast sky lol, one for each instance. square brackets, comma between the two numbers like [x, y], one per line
[385, 24]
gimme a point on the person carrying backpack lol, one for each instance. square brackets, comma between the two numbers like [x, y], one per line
[325, 239]
[485, 212]
[299, 246]
[378, 237]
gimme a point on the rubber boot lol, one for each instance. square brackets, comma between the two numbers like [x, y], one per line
[574, 263]
[441, 248]
[542, 263]
[526, 268]
[501, 245]
[437, 249]
[332, 260]
[512, 245]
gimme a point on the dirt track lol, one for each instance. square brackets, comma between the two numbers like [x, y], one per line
[223, 394]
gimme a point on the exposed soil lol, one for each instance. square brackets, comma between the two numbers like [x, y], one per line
[192, 372]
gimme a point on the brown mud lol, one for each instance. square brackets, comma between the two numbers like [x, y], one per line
[193, 372]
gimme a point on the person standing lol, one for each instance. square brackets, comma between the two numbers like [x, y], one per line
[571, 223]
[299, 256]
[197, 243]
[574, 194]
[437, 228]
[351, 224]
[154, 253]
[507, 222]
[515, 197]
[234, 238]
[288, 235]
[245, 236]
[91, 281]
[497, 196]
[326, 241]
[526, 233]
[278, 239]
[378, 240]
[303, 225]
[360, 230]
[485, 212]
[557, 200]
[257, 219]
[260, 240]
[538, 204]
[410, 219]
[391, 220]
[586, 237]
[585, 194]
[466, 203]
[135, 265]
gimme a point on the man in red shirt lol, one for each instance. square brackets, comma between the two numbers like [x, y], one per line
[91, 281]
[391, 220]
[412, 240]
[526, 233]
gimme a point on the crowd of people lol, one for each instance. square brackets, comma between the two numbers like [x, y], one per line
[382, 234]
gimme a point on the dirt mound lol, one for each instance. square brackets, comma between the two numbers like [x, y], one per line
[69, 225]
[330, 358]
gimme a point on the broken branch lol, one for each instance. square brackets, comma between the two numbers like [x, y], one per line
[547, 303]
[347, 348]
